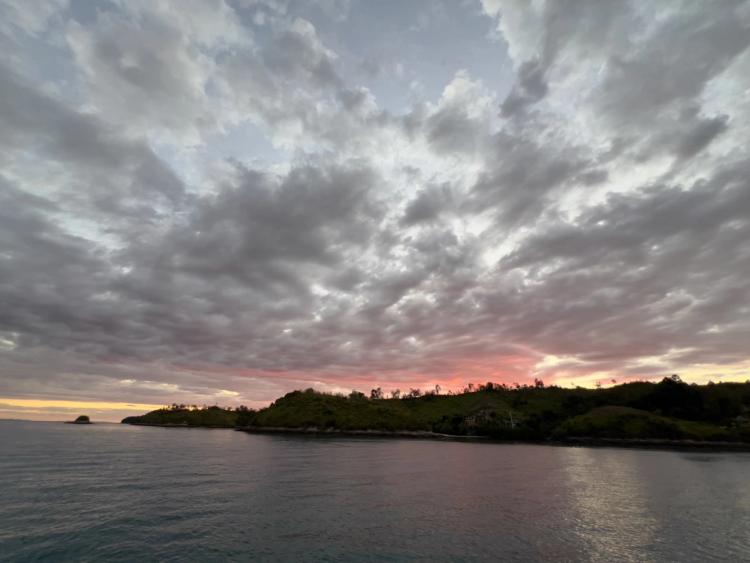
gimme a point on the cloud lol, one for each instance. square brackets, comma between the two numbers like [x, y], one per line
[701, 135]
[427, 206]
[98, 167]
[531, 87]
[147, 74]
[32, 20]
[253, 229]
[656, 270]
[585, 218]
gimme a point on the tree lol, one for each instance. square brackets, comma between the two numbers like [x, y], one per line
[376, 393]
[414, 393]
[245, 417]
[396, 394]
[437, 389]
[538, 383]
[673, 397]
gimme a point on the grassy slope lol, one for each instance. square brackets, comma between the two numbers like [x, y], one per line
[306, 409]
[214, 417]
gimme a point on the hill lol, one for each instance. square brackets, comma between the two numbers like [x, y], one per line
[211, 417]
[668, 410]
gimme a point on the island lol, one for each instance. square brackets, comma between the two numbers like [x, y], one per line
[83, 419]
[668, 413]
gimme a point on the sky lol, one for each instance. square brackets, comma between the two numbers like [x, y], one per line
[220, 201]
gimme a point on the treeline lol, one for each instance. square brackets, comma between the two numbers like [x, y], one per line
[181, 407]
[413, 393]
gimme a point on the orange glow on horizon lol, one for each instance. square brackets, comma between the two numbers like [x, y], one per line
[505, 369]
[64, 409]
[65, 404]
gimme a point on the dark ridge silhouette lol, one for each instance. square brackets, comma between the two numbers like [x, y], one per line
[187, 415]
[669, 411]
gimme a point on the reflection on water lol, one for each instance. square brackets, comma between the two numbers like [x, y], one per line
[609, 501]
[122, 493]
[636, 505]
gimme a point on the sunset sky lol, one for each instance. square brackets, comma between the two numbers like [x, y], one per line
[219, 201]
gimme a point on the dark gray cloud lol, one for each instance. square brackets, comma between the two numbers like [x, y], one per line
[522, 173]
[451, 129]
[700, 135]
[531, 87]
[587, 219]
[427, 205]
[311, 216]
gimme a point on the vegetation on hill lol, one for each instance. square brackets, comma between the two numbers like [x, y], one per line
[182, 415]
[670, 409]
[628, 423]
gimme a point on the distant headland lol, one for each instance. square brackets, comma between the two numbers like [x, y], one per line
[669, 413]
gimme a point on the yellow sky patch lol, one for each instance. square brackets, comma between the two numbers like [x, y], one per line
[61, 404]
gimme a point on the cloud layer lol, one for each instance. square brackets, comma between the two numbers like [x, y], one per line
[223, 203]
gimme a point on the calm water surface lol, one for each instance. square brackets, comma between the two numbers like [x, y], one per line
[125, 493]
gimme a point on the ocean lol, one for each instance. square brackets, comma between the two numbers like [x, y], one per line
[109, 492]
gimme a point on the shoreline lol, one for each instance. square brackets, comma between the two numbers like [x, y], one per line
[635, 443]
[172, 425]
[314, 431]
[631, 443]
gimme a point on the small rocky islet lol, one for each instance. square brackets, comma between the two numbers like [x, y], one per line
[83, 419]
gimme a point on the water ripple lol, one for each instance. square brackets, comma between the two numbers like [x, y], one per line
[122, 493]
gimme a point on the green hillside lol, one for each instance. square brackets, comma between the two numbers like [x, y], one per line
[309, 408]
[670, 409]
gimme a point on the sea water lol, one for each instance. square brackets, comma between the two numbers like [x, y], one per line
[109, 492]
